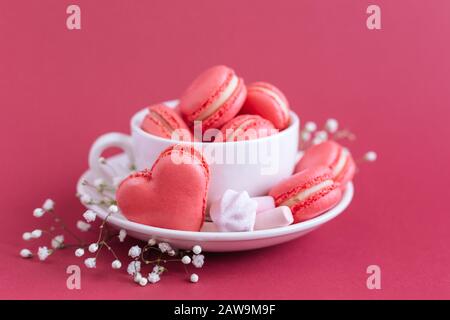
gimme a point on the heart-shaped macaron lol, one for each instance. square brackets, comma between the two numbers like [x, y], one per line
[171, 195]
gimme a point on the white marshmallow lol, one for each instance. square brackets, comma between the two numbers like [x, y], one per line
[235, 211]
[274, 218]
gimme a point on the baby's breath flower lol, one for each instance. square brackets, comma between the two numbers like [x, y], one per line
[322, 135]
[58, 242]
[305, 135]
[158, 269]
[43, 253]
[116, 264]
[26, 236]
[36, 234]
[79, 252]
[25, 253]
[89, 215]
[194, 278]
[38, 212]
[198, 260]
[310, 126]
[137, 277]
[197, 249]
[316, 140]
[85, 199]
[48, 205]
[90, 263]
[134, 267]
[164, 247]
[113, 209]
[186, 260]
[122, 235]
[134, 251]
[93, 247]
[153, 277]
[171, 253]
[99, 183]
[143, 281]
[83, 226]
[331, 125]
[370, 156]
[151, 242]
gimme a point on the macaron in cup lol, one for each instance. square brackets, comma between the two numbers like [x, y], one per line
[247, 127]
[164, 122]
[269, 102]
[213, 98]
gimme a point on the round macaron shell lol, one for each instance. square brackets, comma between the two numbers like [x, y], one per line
[161, 121]
[326, 154]
[303, 178]
[261, 103]
[315, 204]
[205, 90]
[347, 172]
[242, 123]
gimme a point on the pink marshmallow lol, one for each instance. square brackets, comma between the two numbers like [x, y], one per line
[264, 203]
[274, 218]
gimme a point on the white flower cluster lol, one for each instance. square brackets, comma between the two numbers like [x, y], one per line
[122, 235]
[57, 242]
[89, 216]
[49, 205]
[310, 135]
[139, 256]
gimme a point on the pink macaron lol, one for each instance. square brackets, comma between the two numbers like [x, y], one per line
[308, 193]
[163, 121]
[332, 155]
[172, 194]
[269, 102]
[214, 97]
[246, 127]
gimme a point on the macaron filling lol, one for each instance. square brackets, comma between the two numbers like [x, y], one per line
[234, 133]
[304, 194]
[340, 163]
[163, 122]
[221, 99]
[274, 96]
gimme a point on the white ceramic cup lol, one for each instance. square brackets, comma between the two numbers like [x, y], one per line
[251, 165]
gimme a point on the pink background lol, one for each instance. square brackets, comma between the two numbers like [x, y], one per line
[60, 89]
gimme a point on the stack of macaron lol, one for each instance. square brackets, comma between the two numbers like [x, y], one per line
[319, 179]
[219, 100]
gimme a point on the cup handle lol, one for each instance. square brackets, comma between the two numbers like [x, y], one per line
[109, 140]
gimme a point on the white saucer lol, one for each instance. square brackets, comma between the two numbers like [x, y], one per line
[209, 241]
